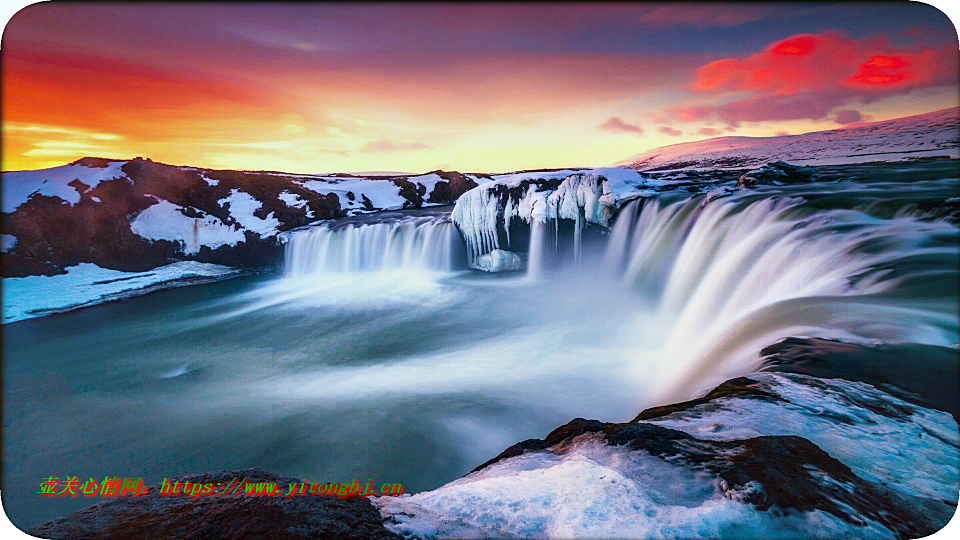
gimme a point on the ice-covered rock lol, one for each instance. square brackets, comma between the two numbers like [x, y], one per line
[783, 455]
[587, 196]
[776, 174]
[499, 260]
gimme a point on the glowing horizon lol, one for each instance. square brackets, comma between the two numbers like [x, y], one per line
[488, 88]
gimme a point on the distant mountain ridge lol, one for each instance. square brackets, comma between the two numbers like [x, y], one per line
[929, 135]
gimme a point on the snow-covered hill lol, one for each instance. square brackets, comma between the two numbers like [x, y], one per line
[136, 215]
[934, 134]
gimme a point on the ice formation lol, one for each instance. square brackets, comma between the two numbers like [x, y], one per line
[589, 196]
[499, 260]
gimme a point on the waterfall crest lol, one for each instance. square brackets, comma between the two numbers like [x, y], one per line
[428, 243]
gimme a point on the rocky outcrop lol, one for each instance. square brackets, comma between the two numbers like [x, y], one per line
[227, 517]
[783, 454]
[778, 173]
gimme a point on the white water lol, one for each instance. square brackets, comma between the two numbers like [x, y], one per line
[424, 243]
[724, 279]
[712, 283]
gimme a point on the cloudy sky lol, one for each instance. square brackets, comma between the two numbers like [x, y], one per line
[322, 88]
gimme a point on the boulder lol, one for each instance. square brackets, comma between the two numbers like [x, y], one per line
[778, 173]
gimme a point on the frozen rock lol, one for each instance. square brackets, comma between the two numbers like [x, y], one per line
[778, 173]
[499, 260]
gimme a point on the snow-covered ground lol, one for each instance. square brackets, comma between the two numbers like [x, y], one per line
[88, 284]
[925, 135]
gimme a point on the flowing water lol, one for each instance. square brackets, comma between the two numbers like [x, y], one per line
[376, 353]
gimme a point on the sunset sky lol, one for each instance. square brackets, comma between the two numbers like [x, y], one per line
[323, 88]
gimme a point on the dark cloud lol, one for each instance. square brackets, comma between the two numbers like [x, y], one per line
[847, 116]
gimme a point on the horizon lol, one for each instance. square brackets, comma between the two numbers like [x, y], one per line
[488, 88]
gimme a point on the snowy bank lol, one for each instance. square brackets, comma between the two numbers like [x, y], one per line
[88, 284]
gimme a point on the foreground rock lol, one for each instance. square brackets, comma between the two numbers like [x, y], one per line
[767, 455]
[220, 517]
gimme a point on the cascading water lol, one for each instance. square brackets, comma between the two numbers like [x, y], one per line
[427, 243]
[723, 279]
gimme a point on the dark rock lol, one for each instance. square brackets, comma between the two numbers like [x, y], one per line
[448, 191]
[741, 387]
[214, 517]
[784, 473]
[948, 210]
[778, 173]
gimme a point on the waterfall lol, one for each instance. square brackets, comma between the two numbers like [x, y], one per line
[725, 278]
[416, 242]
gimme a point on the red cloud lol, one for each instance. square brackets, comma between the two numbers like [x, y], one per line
[809, 75]
[670, 131]
[693, 113]
[710, 132]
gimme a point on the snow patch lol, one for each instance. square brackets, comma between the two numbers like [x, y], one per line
[7, 242]
[383, 194]
[19, 186]
[166, 221]
[242, 206]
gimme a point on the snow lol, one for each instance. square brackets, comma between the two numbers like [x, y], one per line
[165, 221]
[294, 201]
[242, 206]
[209, 181]
[916, 455]
[383, 194]
[925, 135]
[592, 490]
[19, 186]
[88, 284]
[9, 241]
[587, 196]
[587, 488]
